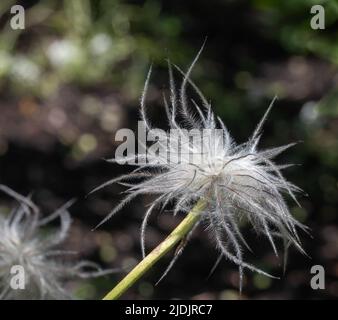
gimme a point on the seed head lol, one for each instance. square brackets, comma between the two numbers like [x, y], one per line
[200, 160]
[24, 243]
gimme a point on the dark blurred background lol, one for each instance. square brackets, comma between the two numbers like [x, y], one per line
[74, 76]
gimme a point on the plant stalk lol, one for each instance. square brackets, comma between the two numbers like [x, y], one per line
[164, 247]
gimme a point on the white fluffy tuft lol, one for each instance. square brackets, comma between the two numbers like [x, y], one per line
[22, 242]
[236, 181]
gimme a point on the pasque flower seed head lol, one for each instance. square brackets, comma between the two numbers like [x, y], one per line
[24, 243]
[236, 181]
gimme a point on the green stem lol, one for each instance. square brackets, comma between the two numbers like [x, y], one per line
[177, 234]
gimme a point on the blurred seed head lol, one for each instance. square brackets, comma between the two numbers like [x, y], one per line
[26, 241]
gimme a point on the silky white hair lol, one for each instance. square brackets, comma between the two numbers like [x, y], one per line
[236, 181]
[23, 243]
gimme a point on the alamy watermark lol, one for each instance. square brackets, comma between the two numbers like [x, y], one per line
[17, 279]
[318, 19]
[18, 17]
[186, 146]
[318, 280]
